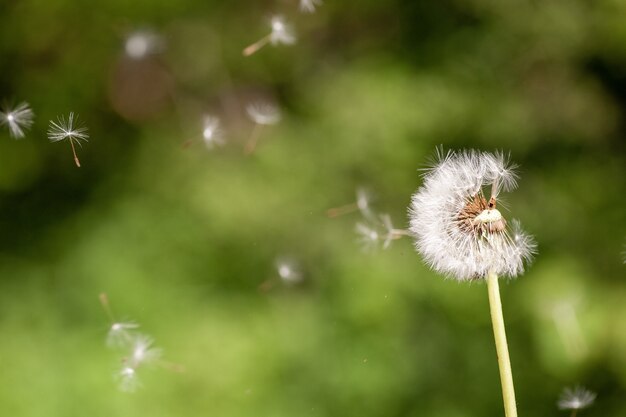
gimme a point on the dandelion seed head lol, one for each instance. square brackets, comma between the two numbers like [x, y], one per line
[264, 113]
[576, 398]
[282, 32]
[17, 119]
[458, 231]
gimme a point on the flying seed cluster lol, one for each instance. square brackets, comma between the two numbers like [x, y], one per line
[137, 348]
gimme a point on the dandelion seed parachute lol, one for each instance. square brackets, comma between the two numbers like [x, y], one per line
[17, 119]
[576, 398]
[459, 232]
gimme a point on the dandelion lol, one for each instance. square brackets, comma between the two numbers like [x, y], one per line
[17, 119]
[69, 129]
[362, 204]
[463, 235]
[308, 6]
[458, 231]
[281, 33]
[575, 399]
[143, 43]
[262, 114]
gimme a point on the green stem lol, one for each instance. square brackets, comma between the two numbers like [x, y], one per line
[502, 349]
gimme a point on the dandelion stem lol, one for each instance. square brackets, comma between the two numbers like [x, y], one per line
[249, 50]
[502, 350]
[254, 138]
[574, 412]
[74, 152]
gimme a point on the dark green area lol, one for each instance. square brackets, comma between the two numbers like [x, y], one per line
[184, 240]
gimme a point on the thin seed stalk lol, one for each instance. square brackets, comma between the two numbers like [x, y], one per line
[502, 349]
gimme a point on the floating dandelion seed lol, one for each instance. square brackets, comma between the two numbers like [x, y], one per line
[308, 6]
[17, 119]
[576, 399]
[368, 236]
[127, 379]
[262, 114]
[371, 235]
[288, 271]
[211, 132]
[391, 233]
[463, 235]
[362, 204]
[120, 334]
[281, 33]
[143, 351]
[69, 129]
[458, 231]
[143, 43]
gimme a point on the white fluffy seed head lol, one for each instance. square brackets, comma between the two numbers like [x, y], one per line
[17, 119]
[457, 230]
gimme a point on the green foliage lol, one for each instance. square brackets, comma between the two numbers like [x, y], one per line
[184, 240]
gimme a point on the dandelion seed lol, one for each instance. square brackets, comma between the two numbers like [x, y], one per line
[127, 379]
[288, 271]
[391, 233]
[143, 352]
[143, 43]
[120, 334]
[211, 132]
[368, 236]
[17, 119]
[262, 114]
[69, 129]
[362, 203]
[281, 33]
[576, 398]
[308, 6]
[458, 231]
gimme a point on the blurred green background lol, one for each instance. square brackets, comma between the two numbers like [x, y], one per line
[184, 240]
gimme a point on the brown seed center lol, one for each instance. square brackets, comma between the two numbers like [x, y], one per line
[480, 216]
